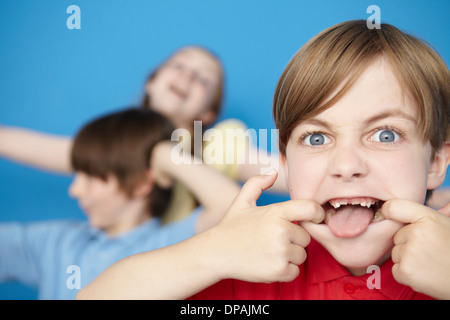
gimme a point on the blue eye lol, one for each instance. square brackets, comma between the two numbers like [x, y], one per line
[316, 139]
[385, 136]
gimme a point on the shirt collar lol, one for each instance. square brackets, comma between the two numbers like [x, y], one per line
[322, 267]
[145, 227]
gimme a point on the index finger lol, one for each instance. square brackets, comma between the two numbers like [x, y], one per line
[299, 210]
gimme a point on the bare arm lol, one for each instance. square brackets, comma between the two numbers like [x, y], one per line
[214, 190]
[36, 149]
[174, 272]
[256, 244]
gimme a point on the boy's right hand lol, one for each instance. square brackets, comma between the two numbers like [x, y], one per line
[261, 244]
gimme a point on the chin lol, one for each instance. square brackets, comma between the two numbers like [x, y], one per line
[369, 248]
[356, 255]
[96, 223]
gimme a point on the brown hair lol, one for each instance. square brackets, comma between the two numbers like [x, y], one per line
[121, 143]
[216, 102]
[338, 56]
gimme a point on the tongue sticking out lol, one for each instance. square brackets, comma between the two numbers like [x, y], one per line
[350, 221]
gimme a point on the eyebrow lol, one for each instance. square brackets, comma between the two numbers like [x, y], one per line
[390, 113]
[374, 118]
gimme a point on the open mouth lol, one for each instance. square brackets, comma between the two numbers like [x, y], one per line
[178, 92]
[349, 217]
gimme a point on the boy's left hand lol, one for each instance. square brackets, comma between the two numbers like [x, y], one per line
[421, 248]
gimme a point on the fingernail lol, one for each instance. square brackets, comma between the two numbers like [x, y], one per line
[271, 172]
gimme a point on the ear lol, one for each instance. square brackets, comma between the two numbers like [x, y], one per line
[285, 168]
[283, 161]
[145, 187]
[438, 167]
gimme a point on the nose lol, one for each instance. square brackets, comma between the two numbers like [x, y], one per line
[75, 187]
[348, 163]
[186, 76]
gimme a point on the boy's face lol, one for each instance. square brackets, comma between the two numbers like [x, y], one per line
[365, 149]
[104, 203]
[184, 86]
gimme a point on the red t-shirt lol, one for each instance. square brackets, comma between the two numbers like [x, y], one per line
[321, 278]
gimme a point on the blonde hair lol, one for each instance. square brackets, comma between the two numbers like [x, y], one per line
[336, 57]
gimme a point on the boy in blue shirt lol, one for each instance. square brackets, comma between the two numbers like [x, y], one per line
[123, 195]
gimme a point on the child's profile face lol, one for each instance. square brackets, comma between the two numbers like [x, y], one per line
[365, 150]
[185, 85]
[104, 202]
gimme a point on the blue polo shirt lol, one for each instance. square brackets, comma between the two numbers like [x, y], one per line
[61, 257]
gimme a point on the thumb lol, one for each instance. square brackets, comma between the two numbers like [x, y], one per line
[405, 211]
[252, 189]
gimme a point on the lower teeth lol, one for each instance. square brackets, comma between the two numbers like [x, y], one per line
[377, 217]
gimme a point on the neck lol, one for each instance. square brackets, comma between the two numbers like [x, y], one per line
[130, 217]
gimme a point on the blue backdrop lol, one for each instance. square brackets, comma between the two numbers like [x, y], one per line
[55, 79]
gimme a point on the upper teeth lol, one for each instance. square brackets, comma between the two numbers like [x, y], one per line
[364, 203]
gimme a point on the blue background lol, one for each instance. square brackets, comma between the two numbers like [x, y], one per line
[54, 79]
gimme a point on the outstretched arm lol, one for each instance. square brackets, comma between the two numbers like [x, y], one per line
[36, 149]
[257, 244]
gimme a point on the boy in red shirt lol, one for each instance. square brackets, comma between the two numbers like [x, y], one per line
[364, 124]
